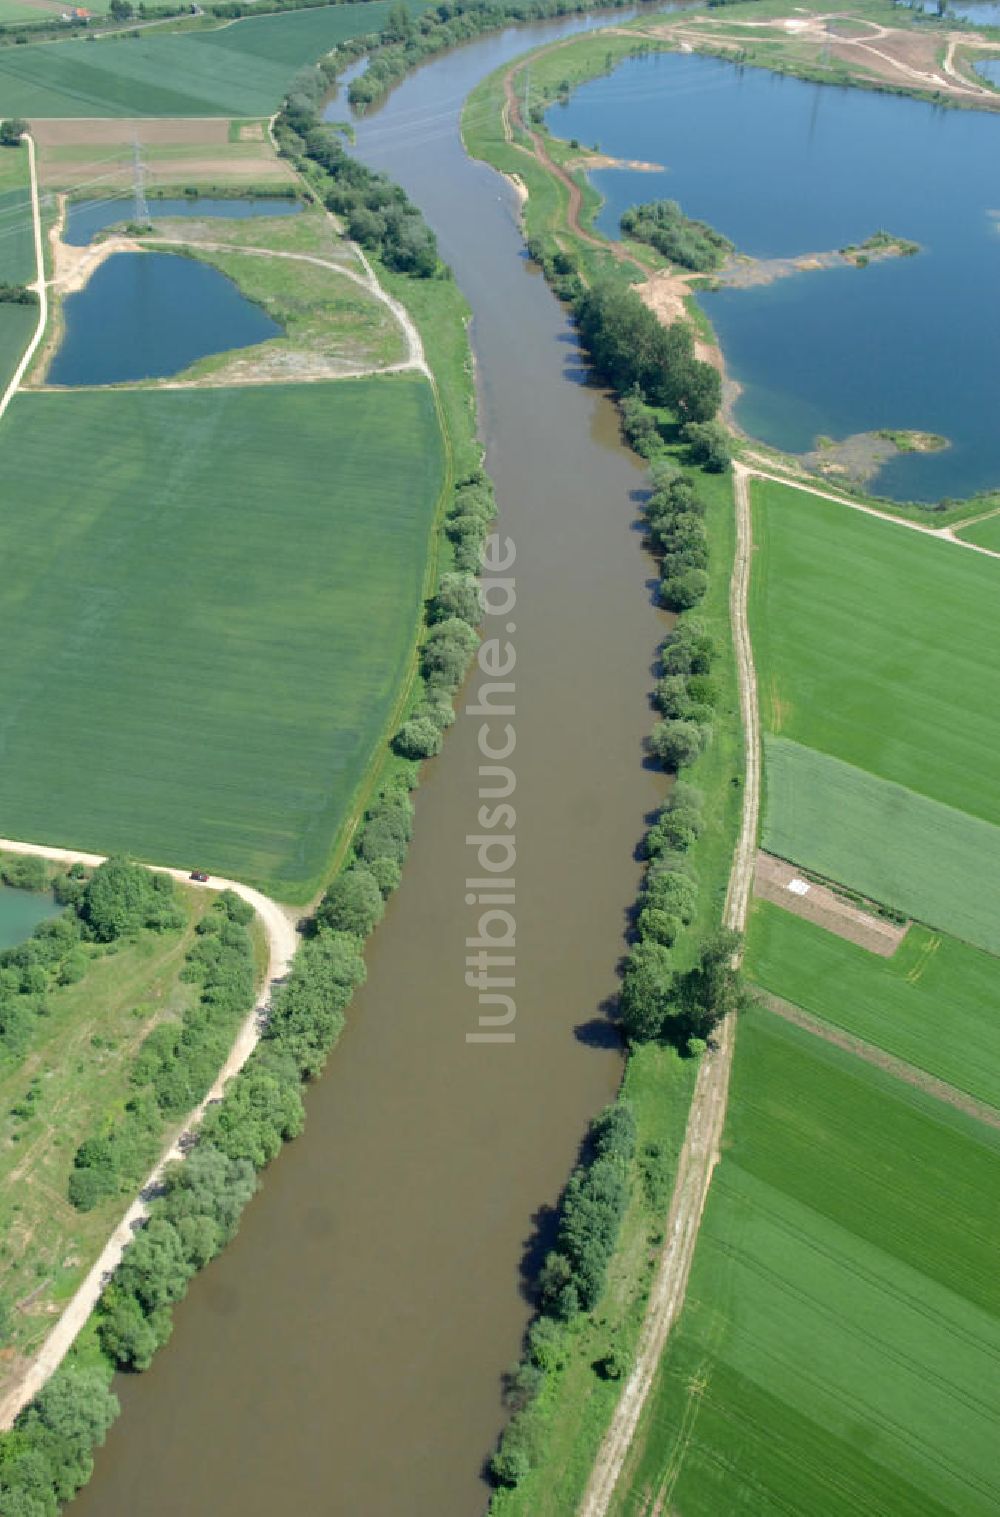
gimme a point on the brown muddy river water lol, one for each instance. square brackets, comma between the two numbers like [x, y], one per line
[344, 1355]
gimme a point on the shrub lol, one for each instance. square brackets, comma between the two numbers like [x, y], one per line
[457, 595]
[353, 903]
[708, 445]
[681, 591]
[419, 738]
[386, 874]
[24, 871]
[677, 743]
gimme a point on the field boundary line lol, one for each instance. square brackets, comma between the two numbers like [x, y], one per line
[38, 286]
[282, 940]
[701, 1150]
[871, 1053]
[943, 534]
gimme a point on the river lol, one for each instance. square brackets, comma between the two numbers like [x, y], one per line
[343, 1356]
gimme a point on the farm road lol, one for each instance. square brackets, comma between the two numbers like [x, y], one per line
[703, 1135]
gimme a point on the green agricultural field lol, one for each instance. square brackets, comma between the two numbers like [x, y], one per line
[840, 1343]
[934, 1003]
[17, 238]
[878, 645]
[930, 861]
[241, 68]
[17, 323]
[986, 533]
[210, 599]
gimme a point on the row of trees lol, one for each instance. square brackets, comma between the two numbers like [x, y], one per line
[631, 348]
[378, 214]
[407, 40]
[663, 225]
[574, 1275]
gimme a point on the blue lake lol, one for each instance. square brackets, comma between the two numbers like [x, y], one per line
[149, 315]
[782, 168]
[85, 218]
[21, 911]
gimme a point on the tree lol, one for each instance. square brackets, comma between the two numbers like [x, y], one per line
[419, 738]
[446, 652]
[11, 131]
[645, 995]
[676, 743]
[121, 10]
[457, 595]
[353, 902]
[681, 591]
[117, 898]
[709, 445]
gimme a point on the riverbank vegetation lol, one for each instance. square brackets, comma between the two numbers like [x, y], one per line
[680, 239]
[79, 999]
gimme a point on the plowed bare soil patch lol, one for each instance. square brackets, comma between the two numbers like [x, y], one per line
[122, 132]
[773, 880]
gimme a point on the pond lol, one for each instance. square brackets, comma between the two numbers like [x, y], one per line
[85, 218]
[149, 315]
[978, 12]
[783, 168]
[21, 911]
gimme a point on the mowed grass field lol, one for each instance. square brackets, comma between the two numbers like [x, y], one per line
[931, 862]
[934, 1003]
[878, 645]
[238, 69]
[210, 600]
[839, 1350]
[17, 323]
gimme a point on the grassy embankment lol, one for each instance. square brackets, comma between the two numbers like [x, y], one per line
[65, 1076]
[330, 324]
[837, 1349]
[569, 1416]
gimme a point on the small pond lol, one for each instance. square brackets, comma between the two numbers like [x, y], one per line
[149, 315]
[978, 12]
[990, 68]
[85, 218]
[21, 911]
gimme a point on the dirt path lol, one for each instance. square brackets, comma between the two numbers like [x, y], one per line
[945, 534]
[282, 942]
[38, 286]
[703, 1136]
[908, 1073]
[75, 266]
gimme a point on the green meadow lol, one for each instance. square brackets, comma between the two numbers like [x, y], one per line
[986, 533]
[929, 861]
[17, 238]
[242, 68]
[17, 323]
[839, 1347]
[878, 645]
[210, 598]
[934, 1003]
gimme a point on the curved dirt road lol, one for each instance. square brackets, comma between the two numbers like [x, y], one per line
[703, 1135]
[282, 942]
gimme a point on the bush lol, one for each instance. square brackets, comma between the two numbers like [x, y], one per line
[353, 903]
[709, 445]
[663, 225]
[457, 595]
[677, 743]
[24, 871]
[446, 652]
[679, 592]
[419, 738]
[386, 874]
